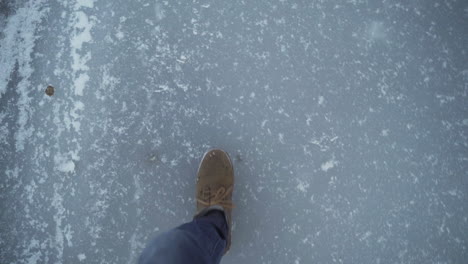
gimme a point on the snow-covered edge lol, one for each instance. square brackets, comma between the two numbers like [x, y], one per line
[18, 42]
[17, 48]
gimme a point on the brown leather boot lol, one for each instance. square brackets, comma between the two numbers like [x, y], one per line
[215, 183]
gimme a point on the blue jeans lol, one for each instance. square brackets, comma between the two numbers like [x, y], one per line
[201, 241]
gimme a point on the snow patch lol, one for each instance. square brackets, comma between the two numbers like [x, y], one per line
[68, 166]
[33, 251]
[80, 83]
[57, 203]
[81, 257]
[17, 45]
[329, 164]
[321, 100]
[384, 132]
[83, 26]
[65, 163]
[19, 40]
[85, 3]
[303, 186]
[81, 35]
[120, 35]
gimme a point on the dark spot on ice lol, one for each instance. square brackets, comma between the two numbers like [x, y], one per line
[49, 90]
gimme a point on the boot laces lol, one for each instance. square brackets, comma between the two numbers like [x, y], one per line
[216, 198]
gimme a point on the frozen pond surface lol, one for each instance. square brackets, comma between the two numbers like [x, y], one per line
[347, 122]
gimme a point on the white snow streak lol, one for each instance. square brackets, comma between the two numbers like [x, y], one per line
[81, 35]
[17, 49]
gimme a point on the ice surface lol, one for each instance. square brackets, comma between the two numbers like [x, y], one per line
[346, 121]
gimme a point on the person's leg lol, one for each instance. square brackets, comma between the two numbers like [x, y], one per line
[208, 237]
[201, 241]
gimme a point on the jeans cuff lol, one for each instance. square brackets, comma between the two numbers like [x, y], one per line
[208, 209]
